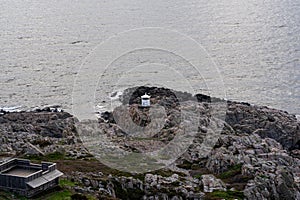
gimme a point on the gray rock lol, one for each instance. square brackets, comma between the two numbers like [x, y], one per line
[211, 183]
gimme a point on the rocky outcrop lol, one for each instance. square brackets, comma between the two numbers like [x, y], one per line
[264, 163]
[255, 156]
[266, 122]
[257, 145]
[211, 183]
[39, 132]
[153, 186]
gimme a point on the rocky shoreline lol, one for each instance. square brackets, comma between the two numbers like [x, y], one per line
[256, 155]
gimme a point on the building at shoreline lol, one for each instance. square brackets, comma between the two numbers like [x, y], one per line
[27, 179]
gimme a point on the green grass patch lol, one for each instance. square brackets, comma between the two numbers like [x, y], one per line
[55, 156]
[141, 176]
[232, 171]
[227, 195]
[185, 165]
[48, 157]
[167, 173]
[91, 197]
[66, 182]
[61, 195]
[10, 196]
[53, 194]
[198, 176]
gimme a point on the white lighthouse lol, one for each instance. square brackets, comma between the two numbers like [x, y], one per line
[145, 100]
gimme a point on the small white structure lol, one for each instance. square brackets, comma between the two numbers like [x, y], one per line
[145, 100]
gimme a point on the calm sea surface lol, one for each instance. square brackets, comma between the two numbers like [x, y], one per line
[255, 43]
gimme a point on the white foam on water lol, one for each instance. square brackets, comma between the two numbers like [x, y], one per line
[107, 106]
[298, 117]
[12, 109]
[100, 109]
[116, 95]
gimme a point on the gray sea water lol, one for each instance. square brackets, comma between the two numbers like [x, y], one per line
[255, 43]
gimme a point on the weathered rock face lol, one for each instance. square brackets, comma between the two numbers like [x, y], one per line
[167, 106]
[211, 183]
[266, 122]
[262, 161]
[263, 142]
[38, 133]
[153, 187]
[47, 124]
[256, 156]
[282, 186]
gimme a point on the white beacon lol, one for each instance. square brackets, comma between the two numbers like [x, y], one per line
[145, 100]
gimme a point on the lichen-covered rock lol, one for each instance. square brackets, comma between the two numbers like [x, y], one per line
[211, 183]
[266, 122]
[256, 155]
[38, 133]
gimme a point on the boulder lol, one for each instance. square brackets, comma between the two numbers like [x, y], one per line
[211, 183]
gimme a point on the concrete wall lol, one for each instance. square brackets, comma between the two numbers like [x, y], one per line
[6, 165]
[12, 181]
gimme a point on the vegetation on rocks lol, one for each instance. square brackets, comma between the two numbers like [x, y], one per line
[228, 195]
[255, 157]
[232, 171]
